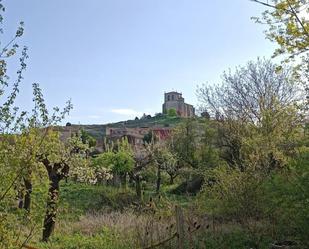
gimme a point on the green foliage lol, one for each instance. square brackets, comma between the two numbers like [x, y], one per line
[15, 168]
[20, 170]
[62, 156]
[288, 196]
[88, 139]
[260, 133]
[253, 157]
[194, 144]
[271, 143]
[172, 112]
[235, 194]
[163, 156]
[277, 202]
[208, 153]
[289, 28]
[106, 239]
[149, 138]
[78, 199]
[123, 162]
[288, 25]
[120, 160]
[184, 142]
[234, 239]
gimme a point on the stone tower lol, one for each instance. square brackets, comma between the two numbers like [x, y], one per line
[174, 100]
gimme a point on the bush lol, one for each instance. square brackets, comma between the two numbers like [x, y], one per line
[117, 199]
[234, 239]
[288, 195]
[171, 112]
[272, 205]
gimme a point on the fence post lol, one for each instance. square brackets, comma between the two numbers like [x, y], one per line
[180, 227]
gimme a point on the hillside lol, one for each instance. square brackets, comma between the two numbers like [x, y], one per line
[98, 130]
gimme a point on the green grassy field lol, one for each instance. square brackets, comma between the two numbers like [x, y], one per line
[99, 216]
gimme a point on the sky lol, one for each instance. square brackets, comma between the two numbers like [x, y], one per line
[115, 58]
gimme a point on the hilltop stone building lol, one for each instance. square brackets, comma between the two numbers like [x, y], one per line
[135, 135]
[174, 100]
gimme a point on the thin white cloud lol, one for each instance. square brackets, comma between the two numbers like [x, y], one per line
[126, 112]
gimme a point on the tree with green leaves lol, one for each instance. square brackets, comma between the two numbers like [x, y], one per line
[142, 159]
[12, 150]
[58, 158]
[31, 145]
[260, 124]
[194, 145]
[21, 138]
[118, 158]
[88, 139]
[171, 112]
[288, 25]
[184, 140]
[288, 22]
[164, 159]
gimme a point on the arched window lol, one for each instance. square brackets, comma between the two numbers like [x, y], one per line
[168, 97]
[173, 97]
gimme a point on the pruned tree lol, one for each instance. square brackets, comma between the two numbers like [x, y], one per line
[20, 140]
[163, 159]
[33, 135]
[142, 159]
[172, 167]
[58, 158]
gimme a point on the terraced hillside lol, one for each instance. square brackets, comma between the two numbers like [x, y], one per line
[98, 130]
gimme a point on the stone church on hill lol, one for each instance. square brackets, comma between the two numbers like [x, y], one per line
[174, 100]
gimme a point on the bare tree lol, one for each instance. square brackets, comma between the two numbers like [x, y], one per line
[249, 91]
[254, 100]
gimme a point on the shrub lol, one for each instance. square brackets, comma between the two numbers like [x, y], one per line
[172, 112]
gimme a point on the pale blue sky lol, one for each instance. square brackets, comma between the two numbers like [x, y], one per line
[115, 58]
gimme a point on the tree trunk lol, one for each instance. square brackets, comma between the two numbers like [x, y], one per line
[138, 187]
[171, 179]
[51, 207]
[158, 180]
[27, 202]
[124, 181]
[20, 199]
